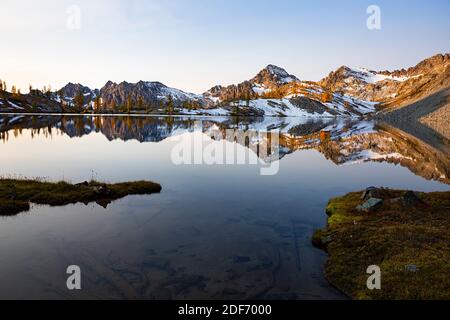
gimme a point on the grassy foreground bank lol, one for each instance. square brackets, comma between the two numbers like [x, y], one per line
[408, 240]
[16, 195]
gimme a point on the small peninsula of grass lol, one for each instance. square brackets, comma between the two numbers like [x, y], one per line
[16, 195]
[410, 243]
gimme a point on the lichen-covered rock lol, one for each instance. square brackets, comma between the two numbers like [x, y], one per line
[370, 205]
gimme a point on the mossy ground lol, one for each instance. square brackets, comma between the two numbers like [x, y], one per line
[392, 238]
[16, 195]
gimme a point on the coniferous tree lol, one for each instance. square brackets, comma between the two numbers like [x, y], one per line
[79, 99]
[170, 106]
[326, 97]
[129, 104]
[97, 104]
[140, 103]
[48, 93]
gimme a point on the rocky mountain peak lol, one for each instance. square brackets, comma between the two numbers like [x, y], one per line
[109, 84]
[433, 64]
[390, 87]
[144, 94]
[272, 76]
[70, 90]
[276, 70]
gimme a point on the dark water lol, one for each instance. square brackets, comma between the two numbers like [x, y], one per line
[215, 231]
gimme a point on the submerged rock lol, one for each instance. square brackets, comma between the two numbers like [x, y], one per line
[241, 259]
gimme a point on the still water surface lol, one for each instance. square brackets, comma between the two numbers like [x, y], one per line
[215, 231]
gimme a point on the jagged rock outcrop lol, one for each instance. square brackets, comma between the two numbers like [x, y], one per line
[144, 94]
[71, 90]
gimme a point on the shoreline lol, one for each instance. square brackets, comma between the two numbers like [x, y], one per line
[168, 116]
[402, 232]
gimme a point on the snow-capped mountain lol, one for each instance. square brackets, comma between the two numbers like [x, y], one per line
[268, 79]
[395, 88]
[346, 92]
[272, 77]
[275, 92]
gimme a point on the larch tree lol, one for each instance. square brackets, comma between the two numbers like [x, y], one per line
[79, 99]
[97, 104]
[170, 106]
[129, 104]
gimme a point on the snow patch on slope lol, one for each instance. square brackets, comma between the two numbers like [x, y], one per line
[281, 74]
[280, 107]
[369, 155]
[176, 94]
[373, 77]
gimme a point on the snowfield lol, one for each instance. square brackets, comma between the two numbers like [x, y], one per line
[372, 77]
[280, 107]
[176, 94]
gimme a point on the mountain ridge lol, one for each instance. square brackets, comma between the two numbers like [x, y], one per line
[391, 88]
[349, 92]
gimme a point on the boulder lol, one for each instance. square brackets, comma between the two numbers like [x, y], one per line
[82, 184]
[411, 199]
[101, 190]
[370, 205]
[372, 192]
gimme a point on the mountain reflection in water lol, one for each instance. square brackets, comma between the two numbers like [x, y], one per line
[344, 142]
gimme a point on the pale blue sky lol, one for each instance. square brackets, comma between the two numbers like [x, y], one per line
[195, 44]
